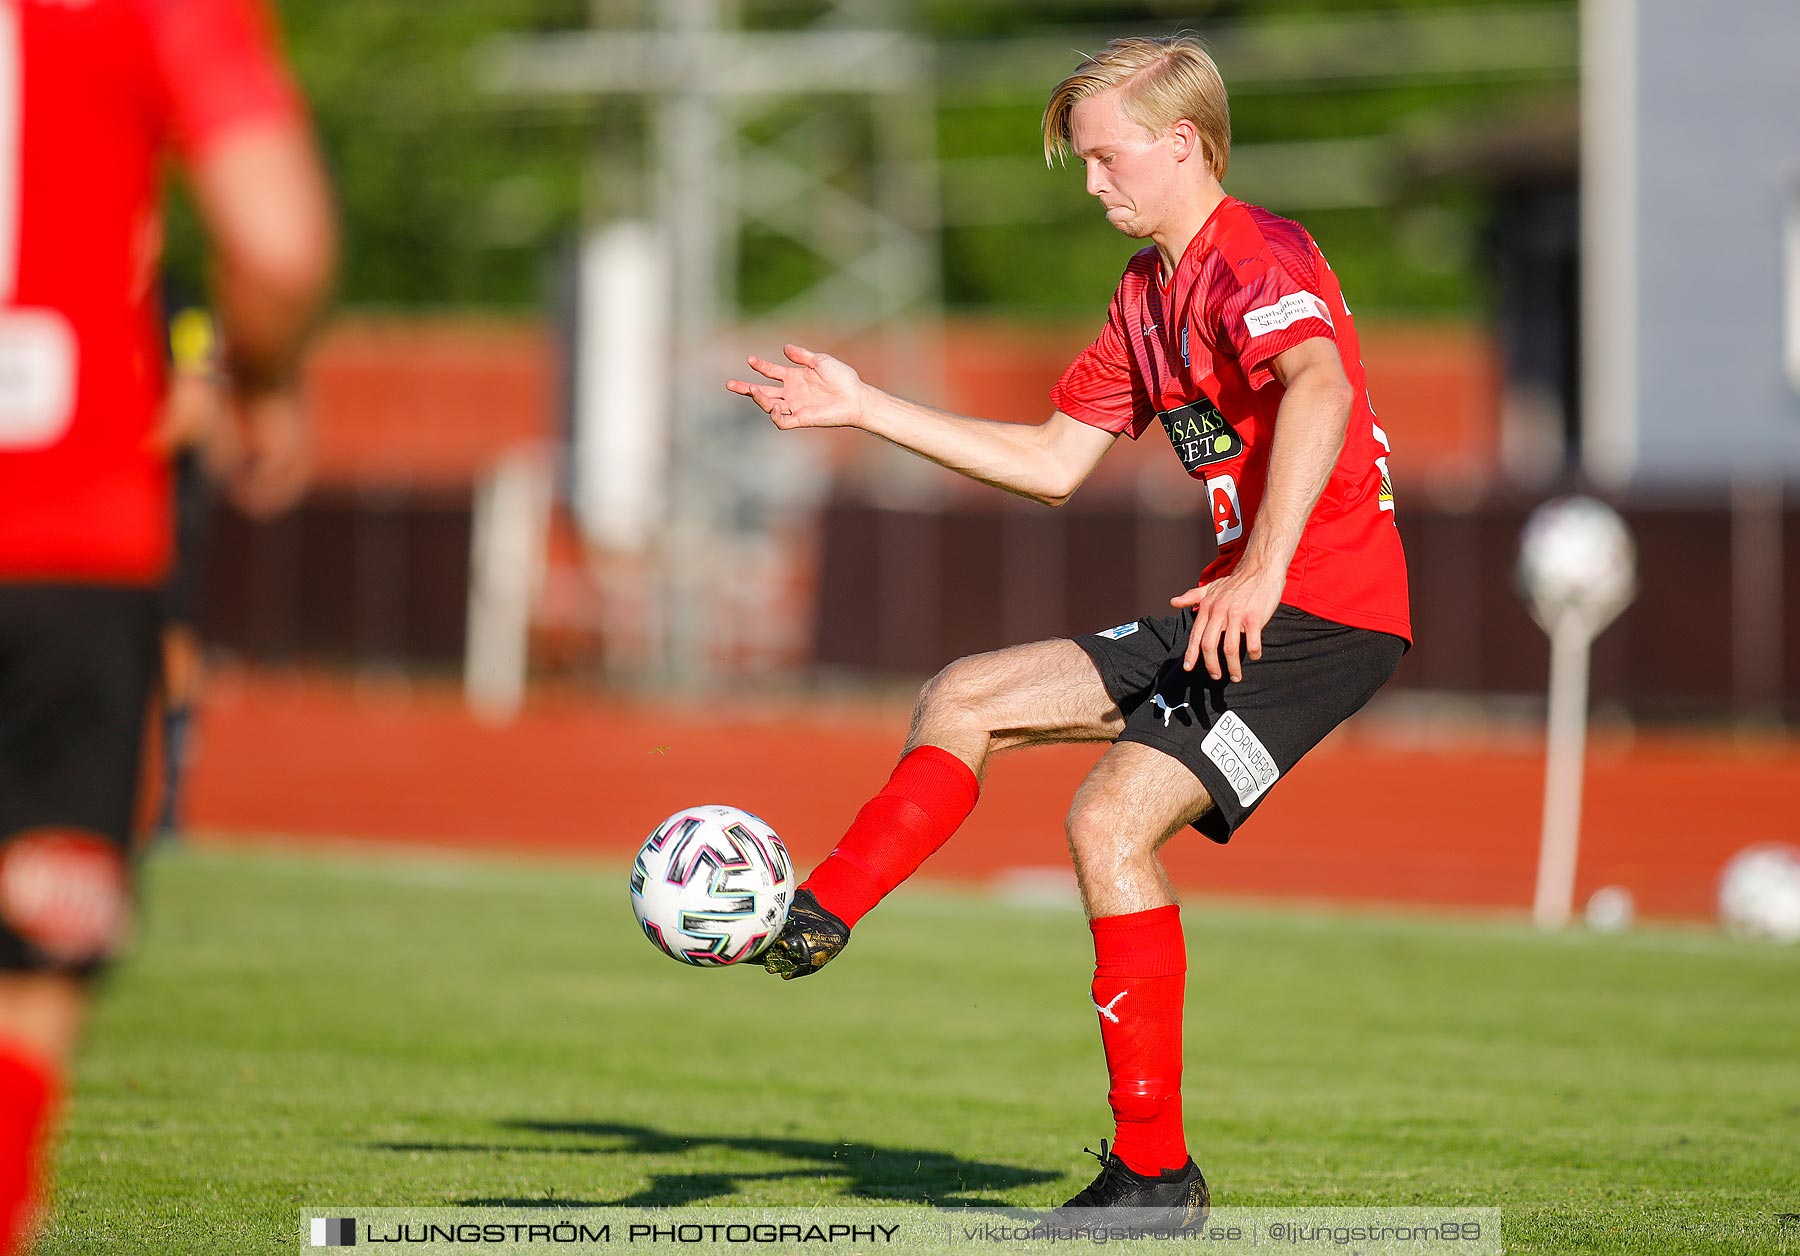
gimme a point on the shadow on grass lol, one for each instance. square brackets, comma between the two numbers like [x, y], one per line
[885, 1173]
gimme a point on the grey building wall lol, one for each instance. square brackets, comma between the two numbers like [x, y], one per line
[1716, 156]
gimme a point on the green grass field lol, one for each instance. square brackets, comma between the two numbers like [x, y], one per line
[302, 1030]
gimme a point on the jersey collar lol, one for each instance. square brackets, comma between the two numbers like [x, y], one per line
[1196, 247]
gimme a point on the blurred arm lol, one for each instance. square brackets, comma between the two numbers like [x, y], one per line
[261, 195]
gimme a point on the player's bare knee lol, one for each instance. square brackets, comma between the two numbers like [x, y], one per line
[955, 696]
[1102, 834]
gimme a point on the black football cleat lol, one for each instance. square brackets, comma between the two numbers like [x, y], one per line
[1173, 1202]
[811, 939]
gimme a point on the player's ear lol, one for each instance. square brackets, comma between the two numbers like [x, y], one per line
[1187, 140]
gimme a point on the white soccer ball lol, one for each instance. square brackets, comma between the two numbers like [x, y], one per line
[1576, 554]
[1611, 909]
[1759, 893]
[712, 886]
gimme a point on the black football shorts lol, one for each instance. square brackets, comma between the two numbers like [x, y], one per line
[76, 667]
[1241, 737]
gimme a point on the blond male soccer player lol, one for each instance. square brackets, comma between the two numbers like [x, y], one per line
[1229, 330]
[92, 97]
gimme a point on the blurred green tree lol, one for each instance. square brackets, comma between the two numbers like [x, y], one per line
[454, 198]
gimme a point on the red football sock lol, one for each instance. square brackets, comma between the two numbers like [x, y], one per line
[926, 799]
[28, 1087]
[1140, 976]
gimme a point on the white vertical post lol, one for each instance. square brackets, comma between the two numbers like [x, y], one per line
[622, 386]
[1790, 251]
[1565, 763]
[506, 573]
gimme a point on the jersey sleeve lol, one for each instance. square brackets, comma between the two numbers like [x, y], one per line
[1100, 388]
[1273, 310]
[220, 69]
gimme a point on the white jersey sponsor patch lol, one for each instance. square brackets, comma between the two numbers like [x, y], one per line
[1241, 756]
[1286, 312]
[37, 377]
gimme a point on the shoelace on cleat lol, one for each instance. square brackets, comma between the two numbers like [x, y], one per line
[1094, 1195]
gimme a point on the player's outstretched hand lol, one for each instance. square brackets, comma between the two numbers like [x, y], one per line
[1229, 613]
[818, 390]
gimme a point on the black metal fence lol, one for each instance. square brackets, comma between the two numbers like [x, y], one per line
[381, 578]
[905, 592]
[373, 578]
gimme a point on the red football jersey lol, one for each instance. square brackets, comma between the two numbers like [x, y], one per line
[92, 92]
[1195, 354]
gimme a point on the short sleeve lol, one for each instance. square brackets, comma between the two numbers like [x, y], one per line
[220, 69]
[1100, 387]
[1273, 311]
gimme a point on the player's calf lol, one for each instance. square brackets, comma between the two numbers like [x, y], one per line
[926, 799]
[1047, 691]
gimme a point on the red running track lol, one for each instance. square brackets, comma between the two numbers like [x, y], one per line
[1371, 816]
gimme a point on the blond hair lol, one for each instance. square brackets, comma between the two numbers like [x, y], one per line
[1162, 81]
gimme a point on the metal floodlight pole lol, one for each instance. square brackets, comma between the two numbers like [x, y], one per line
[704, 78]
[688, 130]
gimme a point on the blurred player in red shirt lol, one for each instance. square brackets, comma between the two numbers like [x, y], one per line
[1230, 332]
[93, 95]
